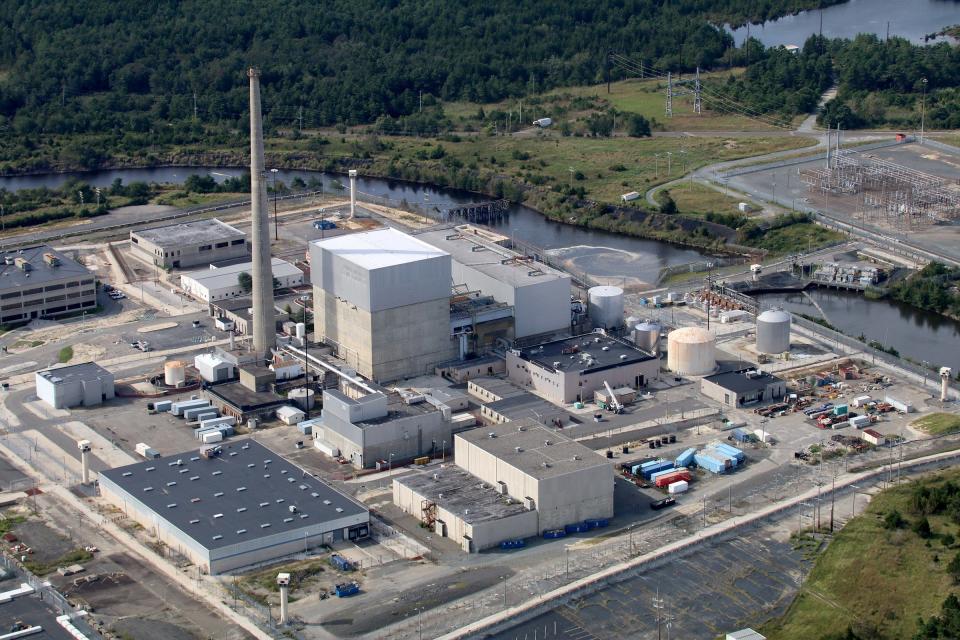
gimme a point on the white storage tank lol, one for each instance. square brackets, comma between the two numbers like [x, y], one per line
[691, 351]
[606, 306]
[174, 373]
[303, 398]
[773, 331]
[646, 335]
[301, 331]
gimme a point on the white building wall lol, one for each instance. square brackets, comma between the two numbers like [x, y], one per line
[564, 387]
[575, 497]
[74, 393]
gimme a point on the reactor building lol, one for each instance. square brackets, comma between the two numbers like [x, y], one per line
[382, 300]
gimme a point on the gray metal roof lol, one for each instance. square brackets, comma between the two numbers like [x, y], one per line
[543, 453]
[75, 373]
[188, 233]
[491, 259]
[588, 352]
[527, 405]
[39, 273]
[244, 494]
[739, 382]
[463, 494]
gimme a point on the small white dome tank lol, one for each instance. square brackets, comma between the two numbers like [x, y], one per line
[303, 398]
[691, 351]
[646, 336]
[606, 306]
[174, 373]
[773, 331]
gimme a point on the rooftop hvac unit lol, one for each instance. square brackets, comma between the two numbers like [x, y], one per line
[491, 435]
[518, 449]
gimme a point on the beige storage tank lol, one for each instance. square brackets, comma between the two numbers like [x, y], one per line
[691, 351]
[303, 398]
[174, 373]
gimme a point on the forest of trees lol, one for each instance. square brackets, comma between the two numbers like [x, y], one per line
[86, 65]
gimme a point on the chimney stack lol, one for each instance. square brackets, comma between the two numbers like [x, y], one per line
[264, 330]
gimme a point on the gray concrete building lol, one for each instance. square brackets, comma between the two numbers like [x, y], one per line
[188, 244]
[382, 300]
[78, 385]
[743, 387]
[372, 427]
[564, 481]
[572, 369]
[222, 283]
[41, 282]
[539, 294]
[233, 505]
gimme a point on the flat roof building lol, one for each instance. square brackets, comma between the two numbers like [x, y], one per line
[239, 311]
[86, 384]
[742, 387]
[243, 506]
[539, 294]
[382, 299]
[41, 282]
[564, 481]
[572, 369]
[187, 244]
[220, 283]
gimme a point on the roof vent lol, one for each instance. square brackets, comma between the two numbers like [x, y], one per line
[521, 428]
[518, 449]
[576, 457]
[546, 465]
[489, 435]
[547, 443]
[292, 508]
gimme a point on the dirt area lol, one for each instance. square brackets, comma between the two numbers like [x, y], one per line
[48, 546]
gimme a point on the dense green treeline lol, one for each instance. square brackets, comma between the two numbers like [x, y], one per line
[935, 288]
[92, 66]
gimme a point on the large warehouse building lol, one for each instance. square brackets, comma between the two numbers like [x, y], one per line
[506, 469]
[188, 244]
[221, 283]
[237, 505]
[78, 385]
[382, 299]
[40, 282]
[571, 369]
[539, 294]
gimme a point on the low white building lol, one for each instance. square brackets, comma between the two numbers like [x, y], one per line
[86, 384]
[290, 415]
[213, 368]
[220, 283]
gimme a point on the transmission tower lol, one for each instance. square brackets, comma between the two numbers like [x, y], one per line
[682, 87]
[697, 102]
[669, 95]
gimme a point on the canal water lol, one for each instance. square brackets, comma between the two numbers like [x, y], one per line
[605, 256]
[916, 334]
[910, 19]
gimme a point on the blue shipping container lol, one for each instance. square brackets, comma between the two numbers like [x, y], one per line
[513, 544]
[685, 459]
[651, 463]
[664, 472]
[647, 473]
[341, 563]
[742, 435]
[733, 452]
[723, 455]
[710, 462]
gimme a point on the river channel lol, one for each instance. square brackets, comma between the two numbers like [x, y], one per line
[605, 256]
[910, 19]
[917, 334]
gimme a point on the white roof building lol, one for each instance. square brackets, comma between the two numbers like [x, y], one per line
[220, 283]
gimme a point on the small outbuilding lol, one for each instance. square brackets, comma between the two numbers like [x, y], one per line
[86, 384]
[742, 387]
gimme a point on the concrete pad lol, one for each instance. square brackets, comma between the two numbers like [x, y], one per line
[157, 327]
[44, 411]
[101, 447]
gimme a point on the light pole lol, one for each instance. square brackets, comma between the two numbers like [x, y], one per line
[276, 226]
[443, 451]
[923, 107]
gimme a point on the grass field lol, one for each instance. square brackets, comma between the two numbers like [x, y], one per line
[803, 236]
[873, 579]
[938, 423]
[697, 199]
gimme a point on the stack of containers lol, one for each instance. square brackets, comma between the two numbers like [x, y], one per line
[685, 459]
[177, 408]
[637, 469]
[162, 405]
[671, 477]
[732, 452]
[742, 435]
[711, 461]
[659, 474]
[860, 422]
[647, 469]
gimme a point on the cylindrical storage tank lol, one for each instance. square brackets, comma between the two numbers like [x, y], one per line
[606, 306]
[691, 351]
[773, 331]
[301, 330]
[174, 373]
[303, 398]
[646, 335]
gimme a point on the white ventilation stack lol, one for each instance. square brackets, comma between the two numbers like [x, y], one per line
[353, 192]
[84, 446]
[283, 581]
[945, 383]
[264, 330]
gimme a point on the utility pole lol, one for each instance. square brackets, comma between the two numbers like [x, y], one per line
[923, 108]
[658, 606]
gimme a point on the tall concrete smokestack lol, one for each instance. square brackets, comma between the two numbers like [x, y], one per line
[264, 331]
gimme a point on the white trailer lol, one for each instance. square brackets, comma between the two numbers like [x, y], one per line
[859, 401]
[903, 406]
[543, 123]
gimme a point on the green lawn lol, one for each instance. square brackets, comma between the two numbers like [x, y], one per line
[693, 198]
[938, 423]
[796, 237]
[873, 579]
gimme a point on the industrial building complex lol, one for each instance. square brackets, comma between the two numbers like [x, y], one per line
[41, 282]
[233, 505]
[571, 369]
[525, 478]
[189, 244]
[219, 283]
